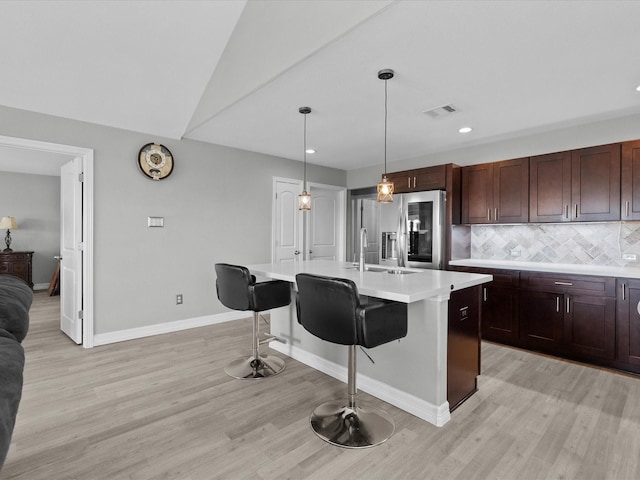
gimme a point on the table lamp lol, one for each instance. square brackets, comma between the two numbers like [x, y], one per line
[10, 224]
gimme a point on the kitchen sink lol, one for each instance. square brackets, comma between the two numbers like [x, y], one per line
[381, 270]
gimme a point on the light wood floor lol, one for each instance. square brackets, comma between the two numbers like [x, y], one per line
[163, 408]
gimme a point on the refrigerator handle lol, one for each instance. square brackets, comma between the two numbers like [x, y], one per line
[402, 238]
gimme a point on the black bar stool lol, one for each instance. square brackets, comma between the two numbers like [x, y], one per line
[237, 289]
[330, 309]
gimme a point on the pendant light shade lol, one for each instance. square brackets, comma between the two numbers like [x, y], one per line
[385, 187]
[304, 199]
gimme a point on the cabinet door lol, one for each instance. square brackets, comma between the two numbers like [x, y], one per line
[550, 187]
[590, 326]
[463, 345]
[511, 191]
[429, 178]
[541, 320]
[628, 323]
[595, 184]
[500, 320]
[630, 181]
[477, 194]
[401, 181]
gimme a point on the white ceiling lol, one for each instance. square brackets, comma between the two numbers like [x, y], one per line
[235, 72]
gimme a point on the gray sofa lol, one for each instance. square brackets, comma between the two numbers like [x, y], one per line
[15, 301]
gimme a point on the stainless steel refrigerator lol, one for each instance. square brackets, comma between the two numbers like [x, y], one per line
[412, 230]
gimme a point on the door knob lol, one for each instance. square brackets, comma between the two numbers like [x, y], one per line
[58, 257]
[297, 252]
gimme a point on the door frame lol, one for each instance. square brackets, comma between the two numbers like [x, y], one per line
[86, 154]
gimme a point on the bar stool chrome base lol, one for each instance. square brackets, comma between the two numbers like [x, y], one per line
[255, 367]
[351, 427]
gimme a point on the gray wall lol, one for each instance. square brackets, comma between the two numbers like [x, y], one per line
[216, 204]
[34, 200]
[538, 143]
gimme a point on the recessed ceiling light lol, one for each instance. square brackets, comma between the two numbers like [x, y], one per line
[310, 150]
[638, 88]
[465, 129]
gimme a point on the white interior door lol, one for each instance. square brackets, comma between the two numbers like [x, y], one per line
[71, 250]
[287, 229]
[324, 224]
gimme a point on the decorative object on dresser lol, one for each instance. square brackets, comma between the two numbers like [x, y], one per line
[10, 224]
[18, 264]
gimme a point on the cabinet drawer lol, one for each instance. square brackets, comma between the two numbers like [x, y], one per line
[4, 268]
[571, 284]
[501, 278]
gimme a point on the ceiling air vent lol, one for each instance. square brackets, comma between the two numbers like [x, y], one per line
[442, 111]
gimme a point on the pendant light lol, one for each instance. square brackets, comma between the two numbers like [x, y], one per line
[304, 199]
[385, 187]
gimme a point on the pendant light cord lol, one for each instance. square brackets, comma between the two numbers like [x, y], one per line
[385, 127]
[304, 187]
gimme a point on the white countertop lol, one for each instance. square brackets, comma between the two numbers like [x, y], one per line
[407, 288]
[603, 271]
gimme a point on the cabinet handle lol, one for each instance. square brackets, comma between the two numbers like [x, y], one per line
[414, 182]
[485, 294]
[626, 208]
[495, 214]
[568, 310]
[408, 182]
[566, 284]
[624, 292]
[566, 211]
[488, 214]
[576, 210]
[557, 304]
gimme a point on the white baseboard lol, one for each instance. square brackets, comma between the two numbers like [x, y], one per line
[437, 415]
[168, 327]
[40, 286]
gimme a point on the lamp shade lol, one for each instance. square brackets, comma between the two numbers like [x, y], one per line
[9, 223]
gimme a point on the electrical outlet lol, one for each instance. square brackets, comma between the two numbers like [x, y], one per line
[632, 257]
[515, 252]
[179, 299]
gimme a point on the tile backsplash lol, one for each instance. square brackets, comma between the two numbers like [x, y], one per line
[580, 243]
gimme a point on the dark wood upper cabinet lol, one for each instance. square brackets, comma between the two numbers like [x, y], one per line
[419, 179]
[511, 191]
[576, 186]
[477, 193]
[496, 192]
[595, 183]
[550, 187]
[630, 181]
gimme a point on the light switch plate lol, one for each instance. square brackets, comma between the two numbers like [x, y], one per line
[155, 221]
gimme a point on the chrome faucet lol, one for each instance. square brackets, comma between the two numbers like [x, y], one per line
[363, 244]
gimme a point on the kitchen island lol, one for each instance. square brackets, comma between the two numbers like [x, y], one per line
[410, 373]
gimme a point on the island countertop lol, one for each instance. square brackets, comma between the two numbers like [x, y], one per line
[411, 286]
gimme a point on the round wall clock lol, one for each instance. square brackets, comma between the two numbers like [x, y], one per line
[155, 161]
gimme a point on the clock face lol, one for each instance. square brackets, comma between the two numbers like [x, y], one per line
[155, 161]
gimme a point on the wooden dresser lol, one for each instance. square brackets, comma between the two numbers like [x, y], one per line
[18, 264]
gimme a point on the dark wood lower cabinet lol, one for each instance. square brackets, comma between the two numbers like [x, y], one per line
[628, 325]
[541, 321]
[463, 345]
[581, 317]
[590, 326]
